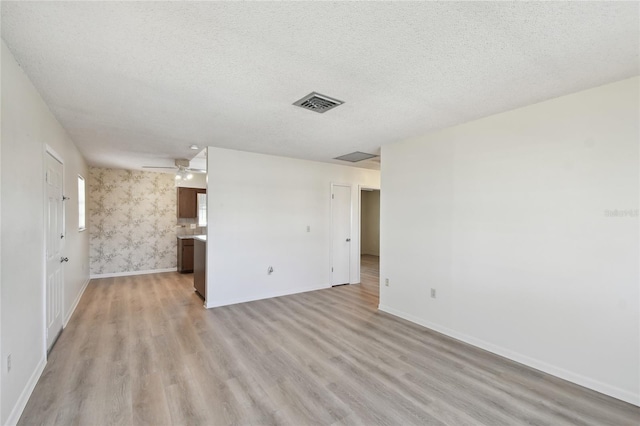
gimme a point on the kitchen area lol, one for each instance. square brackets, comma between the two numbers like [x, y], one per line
[191, 211]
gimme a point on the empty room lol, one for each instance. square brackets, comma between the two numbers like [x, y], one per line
[320, 213]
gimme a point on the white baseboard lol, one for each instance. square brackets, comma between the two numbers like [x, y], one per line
[567, 375]
[18, 408]
[126, 274]
[216, 304]
[75, 303]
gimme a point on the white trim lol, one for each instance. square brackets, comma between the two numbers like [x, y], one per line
[48, 150]
[84, 196]
[126, 274]
[74, 305]
[360, 189]
[54, 154]
[43, 299]
[570, 376]
[348, 185]
[268, 295]
[18, 408]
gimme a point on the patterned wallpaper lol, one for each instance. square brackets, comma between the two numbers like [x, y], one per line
[132, 220]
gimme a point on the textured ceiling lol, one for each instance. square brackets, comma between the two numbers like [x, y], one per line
[136, 83]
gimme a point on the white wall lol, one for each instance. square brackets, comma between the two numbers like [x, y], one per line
[507, 218]
[370, 226]
[27, 125]
[259, 207]
[1, 358]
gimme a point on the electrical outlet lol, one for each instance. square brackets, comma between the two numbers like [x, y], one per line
[8, 363]
[386, 282]
[433, 293]
[192, 226]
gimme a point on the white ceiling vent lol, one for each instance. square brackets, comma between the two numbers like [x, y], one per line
[317, 102]
[354, 157]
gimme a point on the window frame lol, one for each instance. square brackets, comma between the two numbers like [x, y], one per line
[82, 203]
[201, 222]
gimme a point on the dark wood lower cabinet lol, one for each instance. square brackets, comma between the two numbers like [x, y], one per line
[199, 268]
[185, 255]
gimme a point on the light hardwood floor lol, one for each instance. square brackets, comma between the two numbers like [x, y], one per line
[142, 350]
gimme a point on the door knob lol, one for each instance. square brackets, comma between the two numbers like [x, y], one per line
[348, 239]
[64, 259]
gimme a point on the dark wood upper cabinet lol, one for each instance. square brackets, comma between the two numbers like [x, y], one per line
[188, 202]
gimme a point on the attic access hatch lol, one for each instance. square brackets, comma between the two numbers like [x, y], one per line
[317, 103]
[354, 157]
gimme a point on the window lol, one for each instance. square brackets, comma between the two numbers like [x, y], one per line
[202, 209]
[82, 221]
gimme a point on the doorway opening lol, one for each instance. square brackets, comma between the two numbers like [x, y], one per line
[370, 240]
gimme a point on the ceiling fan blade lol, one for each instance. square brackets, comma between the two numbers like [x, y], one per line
[158, 167]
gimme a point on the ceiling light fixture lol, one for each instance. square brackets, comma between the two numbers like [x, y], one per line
[183, 174]
[194, 147]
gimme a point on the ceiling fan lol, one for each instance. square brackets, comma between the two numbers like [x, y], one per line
[184, 172]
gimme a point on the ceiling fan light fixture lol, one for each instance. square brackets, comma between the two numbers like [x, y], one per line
[183, 174]
[182, 168]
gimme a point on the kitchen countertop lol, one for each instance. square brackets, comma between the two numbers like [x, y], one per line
[200, 238]
[186, 237]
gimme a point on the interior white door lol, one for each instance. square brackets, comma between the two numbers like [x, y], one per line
[341, 234]
[54, 235]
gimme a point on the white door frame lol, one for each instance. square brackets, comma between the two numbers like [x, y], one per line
[348, 185]
[48, 150]
[360, 188]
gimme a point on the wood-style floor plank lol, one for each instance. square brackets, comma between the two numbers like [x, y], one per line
[142, 350]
